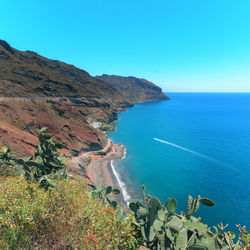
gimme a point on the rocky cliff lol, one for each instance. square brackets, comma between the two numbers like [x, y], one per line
[135, 89]
[38, 92]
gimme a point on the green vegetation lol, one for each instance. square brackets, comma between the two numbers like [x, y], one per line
[46, 163]
[44, 208]
[61, 217]
[8, 165]
[107, 127]
[162, 228]
[102, 194]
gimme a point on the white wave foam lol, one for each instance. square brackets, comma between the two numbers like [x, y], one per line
[124, 153]
[122, 185]
[189, 150]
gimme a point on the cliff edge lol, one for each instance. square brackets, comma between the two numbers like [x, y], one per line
[135, 89]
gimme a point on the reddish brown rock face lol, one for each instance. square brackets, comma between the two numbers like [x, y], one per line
[21, 120]
[18, 140]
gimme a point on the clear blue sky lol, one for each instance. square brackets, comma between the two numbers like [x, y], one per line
[181, 45]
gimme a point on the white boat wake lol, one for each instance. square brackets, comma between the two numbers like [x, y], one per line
[190, 151]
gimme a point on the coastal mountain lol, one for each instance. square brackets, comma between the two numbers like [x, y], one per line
[38, 92]
[26, 73]
[135, 89]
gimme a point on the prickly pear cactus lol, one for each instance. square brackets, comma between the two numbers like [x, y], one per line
[162, 228]
[47, 161]
[102, 193]
[7, 163]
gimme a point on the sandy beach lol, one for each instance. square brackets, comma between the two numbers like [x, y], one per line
[96, 167]
[102, 172]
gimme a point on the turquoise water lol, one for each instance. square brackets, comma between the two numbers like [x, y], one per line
[203, 148]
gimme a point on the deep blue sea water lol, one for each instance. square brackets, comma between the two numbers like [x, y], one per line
[206, 152]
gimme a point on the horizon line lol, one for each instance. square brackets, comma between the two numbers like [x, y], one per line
[212, 92]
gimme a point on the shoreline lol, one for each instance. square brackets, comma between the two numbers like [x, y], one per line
[99, 169]
[104, 173]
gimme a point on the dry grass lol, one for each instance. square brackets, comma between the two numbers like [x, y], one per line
[62, 217]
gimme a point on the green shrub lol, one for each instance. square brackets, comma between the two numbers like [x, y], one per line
[62, 217]
[107, 127]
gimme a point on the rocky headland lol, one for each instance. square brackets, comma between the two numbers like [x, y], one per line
[134, 89]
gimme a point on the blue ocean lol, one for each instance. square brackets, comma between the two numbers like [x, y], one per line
[197, 144]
